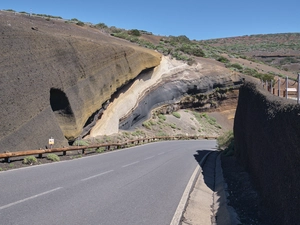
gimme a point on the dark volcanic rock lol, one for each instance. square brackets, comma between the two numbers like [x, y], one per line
[171, 91]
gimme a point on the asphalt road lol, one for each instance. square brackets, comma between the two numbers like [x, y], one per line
[139, 185]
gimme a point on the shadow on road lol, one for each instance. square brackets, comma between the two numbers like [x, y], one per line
[207, 161]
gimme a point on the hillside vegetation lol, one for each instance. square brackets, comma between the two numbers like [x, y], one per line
[278, 50]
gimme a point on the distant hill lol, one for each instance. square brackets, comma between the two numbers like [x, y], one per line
[279, 50]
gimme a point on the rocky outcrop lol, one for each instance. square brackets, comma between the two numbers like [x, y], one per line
[166, 84]
[267, 142]
[55, 77]
[172, 91]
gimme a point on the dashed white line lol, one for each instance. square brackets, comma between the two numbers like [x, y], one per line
[97, 175]
[130, 164]
[161, 153]
[26, 199]
[150, 157]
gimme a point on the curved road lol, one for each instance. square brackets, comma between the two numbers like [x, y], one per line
[139, 185]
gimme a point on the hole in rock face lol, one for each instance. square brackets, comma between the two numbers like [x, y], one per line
[60, 102]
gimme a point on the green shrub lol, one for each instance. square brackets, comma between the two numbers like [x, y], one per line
[173, 125]
[250, 72]
[225, 140]
[176, 114]
[152, 122]
[218, 126]
[204, 115]
[147, 125]
[79, 23]
[53, 157]
[101, 25]
[138, 133]
[264, 77]
[80, 143]
[235, 66]
[100, 150]
[30, 160]
[134, 32]
[198, 52]
[162, 117]
[161, 133]
[223, 59]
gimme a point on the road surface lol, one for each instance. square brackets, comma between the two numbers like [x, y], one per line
[139, 185]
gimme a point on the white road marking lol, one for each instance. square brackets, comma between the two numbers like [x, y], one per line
[97, 175]
[131, 164]
[26, 199]
[150, 157]
[182, 204]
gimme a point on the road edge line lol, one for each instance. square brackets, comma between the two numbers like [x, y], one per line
[183, 201]
[186, 194]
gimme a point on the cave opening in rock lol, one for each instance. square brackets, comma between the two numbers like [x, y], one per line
[59, 102]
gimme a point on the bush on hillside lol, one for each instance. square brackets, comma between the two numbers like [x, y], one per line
[176, 114]
[134, 32]
[79, 23]
[226, 142]
[235, 66]
[101, 25]
[223, 59]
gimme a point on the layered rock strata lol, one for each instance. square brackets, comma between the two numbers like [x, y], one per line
[164, 85]
[55, 76]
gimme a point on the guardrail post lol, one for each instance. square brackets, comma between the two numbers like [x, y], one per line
[64, 152]
[40, 155]
[298, 91]
[7, 160]
[279, 87]
[271, 87]
[83, 151]
[286, 87]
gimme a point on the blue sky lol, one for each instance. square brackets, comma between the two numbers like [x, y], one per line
[196, 19]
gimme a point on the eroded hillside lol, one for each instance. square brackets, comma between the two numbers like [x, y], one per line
[55, 75]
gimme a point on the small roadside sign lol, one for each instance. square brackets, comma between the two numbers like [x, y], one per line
[51, 141]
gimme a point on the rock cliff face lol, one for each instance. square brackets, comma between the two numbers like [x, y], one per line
[172, 90]
[55, 75]
[267, 142]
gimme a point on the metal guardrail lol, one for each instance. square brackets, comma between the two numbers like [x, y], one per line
[271, 87]
[108, 146]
